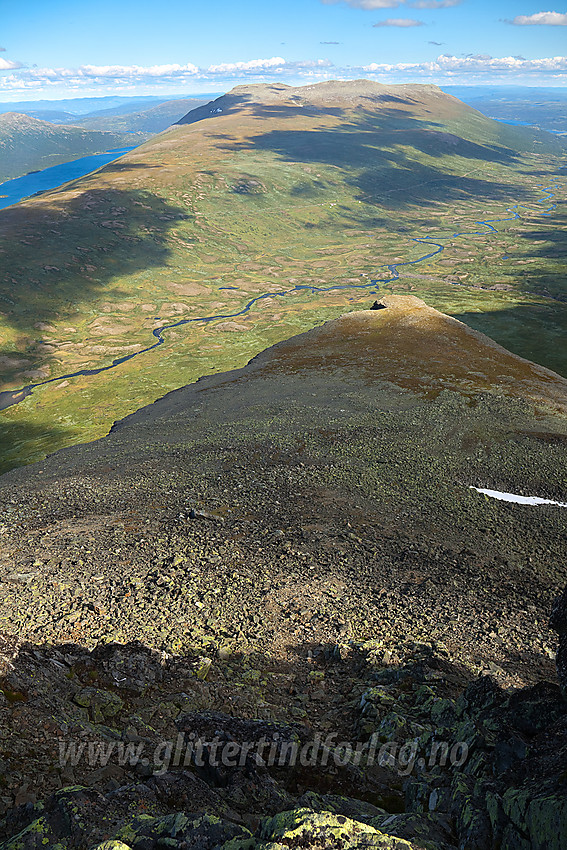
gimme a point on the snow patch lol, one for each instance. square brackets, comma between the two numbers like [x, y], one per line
[519, 500]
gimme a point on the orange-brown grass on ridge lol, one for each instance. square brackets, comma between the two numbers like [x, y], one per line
[418, 348]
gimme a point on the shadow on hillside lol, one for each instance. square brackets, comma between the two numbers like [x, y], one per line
[55, 258]
[59, 254]
[231, 104]
[550, 243]
[57, 694]
[536, 332]
[119, 166]
[234, 103]
[375, 152]
[16, 438]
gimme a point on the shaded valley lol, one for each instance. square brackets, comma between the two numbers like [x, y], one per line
[357, 177]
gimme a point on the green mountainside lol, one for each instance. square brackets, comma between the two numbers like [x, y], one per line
[299, 197]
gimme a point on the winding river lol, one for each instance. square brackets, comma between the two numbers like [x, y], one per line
[11, 397]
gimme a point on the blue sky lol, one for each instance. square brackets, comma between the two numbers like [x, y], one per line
[60, 48]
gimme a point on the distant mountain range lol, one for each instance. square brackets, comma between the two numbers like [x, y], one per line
[73, 108]
[148, 121]
[30, 143]
[541, 107]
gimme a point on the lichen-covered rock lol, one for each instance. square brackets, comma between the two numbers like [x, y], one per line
[201, 667]
[304, 828]
[354, 809]
[130, 667]
[469, 813]
[542, 819]
[20, 817]
[102, 705]
[485, 769]
[181, 790]
[222, 744]
[187, 831]
[254, 792]
[499, 775]
[249, 844]
[36, 836]
[65, 822]
[430, 831]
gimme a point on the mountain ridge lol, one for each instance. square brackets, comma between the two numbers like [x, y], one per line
[332, 91]
[420, 99]
[294, 549]
[450, 356]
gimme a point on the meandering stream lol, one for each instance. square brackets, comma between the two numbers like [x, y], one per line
[11, 397]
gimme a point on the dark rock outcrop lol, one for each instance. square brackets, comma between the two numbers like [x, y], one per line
[444, 767]
[558, 622]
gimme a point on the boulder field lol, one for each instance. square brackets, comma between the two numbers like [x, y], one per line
[269, 611]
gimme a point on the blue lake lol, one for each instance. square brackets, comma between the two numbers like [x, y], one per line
[16, 190]
[528, 124]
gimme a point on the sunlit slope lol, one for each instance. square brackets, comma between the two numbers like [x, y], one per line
[388, 415]
[318, 188]
[414, 347]
[391, 107]
[29, 144]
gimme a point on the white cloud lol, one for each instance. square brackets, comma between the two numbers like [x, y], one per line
[310, 63]
[550, 19]
[449, 66]
[8, 65]
[97, 79]
[261, 68]
[96, 74]
[154, 76]
[399, 22]
[128, 71]
[251, 65]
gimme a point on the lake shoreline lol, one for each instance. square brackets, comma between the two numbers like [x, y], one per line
[45, 180]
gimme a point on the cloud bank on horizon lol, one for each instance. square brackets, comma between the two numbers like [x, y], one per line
[178, 49]
[444, 67]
